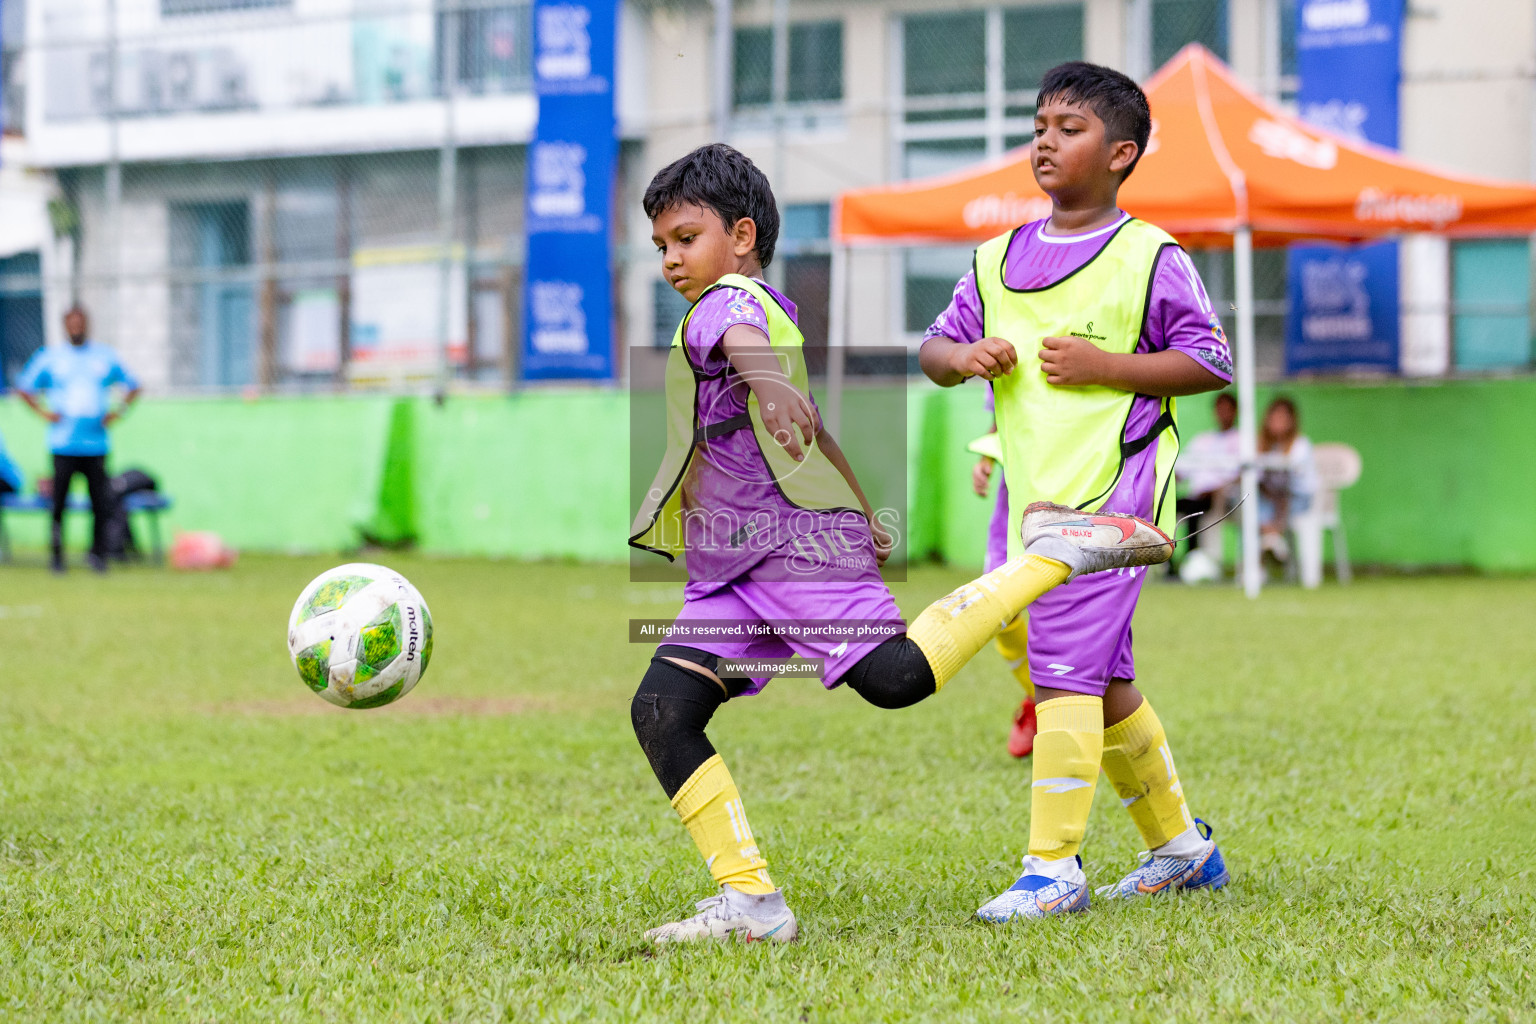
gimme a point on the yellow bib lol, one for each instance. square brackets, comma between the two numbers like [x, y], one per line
[814, 484]
[1067, 444]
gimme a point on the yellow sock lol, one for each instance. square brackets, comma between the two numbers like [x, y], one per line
[952, 629]
[711, 809]
[1013, 644]
[1067, 751]
[1140, 766]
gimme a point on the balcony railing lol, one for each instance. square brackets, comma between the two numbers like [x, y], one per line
[271, 59]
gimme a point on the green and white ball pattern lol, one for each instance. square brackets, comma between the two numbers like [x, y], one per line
[360, 635]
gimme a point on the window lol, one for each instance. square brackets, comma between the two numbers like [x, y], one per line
[815, 64]
[1491, 300]
[752, 66]
[13, 77]
[946, 55]
[930, 277]
[214, 313]
[1036, 39]
[806, 256]
[495, 44]
[667, 311]
[1177, 23]
[173, 7]
[1289, 82]
[969, 80]
[21, 312]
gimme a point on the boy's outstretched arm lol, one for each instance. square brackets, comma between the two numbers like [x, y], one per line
[1077, 362]
[785, 411]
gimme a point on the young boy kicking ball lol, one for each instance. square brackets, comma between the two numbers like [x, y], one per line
[775, 530]
[1088, 324]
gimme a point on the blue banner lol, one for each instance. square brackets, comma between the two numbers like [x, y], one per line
[1344, 309]
[1343, 300]
[568, 297]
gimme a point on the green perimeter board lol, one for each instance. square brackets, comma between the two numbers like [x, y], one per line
[268, 474]
[539, 474]
[545, 474]
[1439, 459]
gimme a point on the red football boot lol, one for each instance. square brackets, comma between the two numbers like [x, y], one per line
[1021, 739]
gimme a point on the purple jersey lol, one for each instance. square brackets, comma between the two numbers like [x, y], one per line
[735, 515]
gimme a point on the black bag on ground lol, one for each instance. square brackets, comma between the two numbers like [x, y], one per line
[120, 541]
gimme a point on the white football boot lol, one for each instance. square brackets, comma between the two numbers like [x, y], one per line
[733, 915]
[1092, 541]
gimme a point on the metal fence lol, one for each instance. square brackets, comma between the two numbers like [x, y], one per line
[192, 216]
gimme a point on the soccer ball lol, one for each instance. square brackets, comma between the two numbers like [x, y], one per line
[360, 635]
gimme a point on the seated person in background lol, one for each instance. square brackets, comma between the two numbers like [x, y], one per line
[1210, 483]
[1286, 489]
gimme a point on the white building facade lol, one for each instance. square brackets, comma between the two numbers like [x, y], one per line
[266, 207]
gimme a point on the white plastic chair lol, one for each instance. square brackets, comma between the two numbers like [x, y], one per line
[1337, 466]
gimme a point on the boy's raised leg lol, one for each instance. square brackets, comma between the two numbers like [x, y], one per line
[1013, 645]
[954, 628]
[1059, 543]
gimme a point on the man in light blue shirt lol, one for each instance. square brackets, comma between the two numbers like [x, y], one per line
[78, 379]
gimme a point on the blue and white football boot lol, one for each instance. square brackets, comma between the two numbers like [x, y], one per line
[1040, 895]
[1203, 869]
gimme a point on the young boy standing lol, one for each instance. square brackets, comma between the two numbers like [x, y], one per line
[776, 531]
[1088, 324]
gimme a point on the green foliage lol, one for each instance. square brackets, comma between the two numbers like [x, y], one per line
[185, 843]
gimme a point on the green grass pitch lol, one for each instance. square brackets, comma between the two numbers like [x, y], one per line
[186, 833]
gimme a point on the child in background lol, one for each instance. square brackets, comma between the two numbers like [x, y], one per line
[1012, 643]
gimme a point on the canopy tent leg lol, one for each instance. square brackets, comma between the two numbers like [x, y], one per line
[1242, 251]
[837, 339]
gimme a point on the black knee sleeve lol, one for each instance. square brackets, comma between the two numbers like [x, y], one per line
[894, 675]
[669, 713]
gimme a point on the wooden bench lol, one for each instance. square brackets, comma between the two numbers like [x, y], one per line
[150, 503]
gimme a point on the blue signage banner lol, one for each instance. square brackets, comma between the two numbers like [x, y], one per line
[1344, 309]
[568, 297]
[1343, 299]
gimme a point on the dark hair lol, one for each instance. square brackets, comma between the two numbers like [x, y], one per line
[1267, 442]
[1227, 396]
[1115, 98]
[721, 179]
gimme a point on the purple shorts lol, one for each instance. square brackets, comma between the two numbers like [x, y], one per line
[861, 596]
[1080, 633]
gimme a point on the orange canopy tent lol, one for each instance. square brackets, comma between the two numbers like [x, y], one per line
[1220, 159]
[1222, 167]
